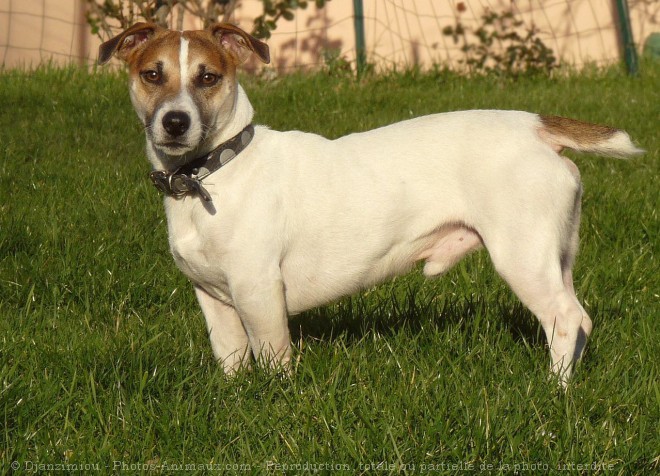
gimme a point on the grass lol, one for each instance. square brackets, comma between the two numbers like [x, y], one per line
[104, 360]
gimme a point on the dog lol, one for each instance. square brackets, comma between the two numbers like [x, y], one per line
[266, 224]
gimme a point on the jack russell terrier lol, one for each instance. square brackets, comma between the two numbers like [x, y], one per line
[267, 223]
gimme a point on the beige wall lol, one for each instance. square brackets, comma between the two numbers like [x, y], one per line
[398, 32]
[32, 31]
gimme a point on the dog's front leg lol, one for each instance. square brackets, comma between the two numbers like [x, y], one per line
[229, 340]
[262, 308]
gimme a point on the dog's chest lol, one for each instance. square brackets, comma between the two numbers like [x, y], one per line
[194, 249]
[189, 256]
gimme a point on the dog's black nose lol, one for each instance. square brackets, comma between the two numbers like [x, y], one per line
[176, 123]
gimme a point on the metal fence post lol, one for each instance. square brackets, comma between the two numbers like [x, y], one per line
[629, 51]
[360, 48]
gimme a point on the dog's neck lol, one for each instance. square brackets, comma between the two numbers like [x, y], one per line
[240, 116]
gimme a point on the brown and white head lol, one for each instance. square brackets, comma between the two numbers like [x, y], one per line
[183, 85]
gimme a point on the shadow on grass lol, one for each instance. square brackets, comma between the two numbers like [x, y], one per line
[353, 318]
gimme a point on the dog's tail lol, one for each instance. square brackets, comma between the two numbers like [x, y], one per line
[561, 132]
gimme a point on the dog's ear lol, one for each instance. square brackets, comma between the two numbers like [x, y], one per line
[239, 43]
[124, 43]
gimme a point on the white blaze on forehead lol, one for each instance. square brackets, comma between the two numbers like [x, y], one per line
[183, 62]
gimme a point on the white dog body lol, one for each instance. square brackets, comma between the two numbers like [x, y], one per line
[297, 220]
[331, 217]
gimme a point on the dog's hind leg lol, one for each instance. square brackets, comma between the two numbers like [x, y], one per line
[539, 284]
[535, 257]
[229, 340]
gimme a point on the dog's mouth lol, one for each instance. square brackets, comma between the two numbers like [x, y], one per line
[174, 147]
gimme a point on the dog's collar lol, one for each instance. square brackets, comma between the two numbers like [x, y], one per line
[188, 178]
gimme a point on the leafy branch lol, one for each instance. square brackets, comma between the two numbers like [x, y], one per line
[504, 46]
[105, 17]
[274, 10]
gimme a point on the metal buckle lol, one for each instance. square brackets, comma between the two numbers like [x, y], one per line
[182, 184]
[178, 185]
[160, 179]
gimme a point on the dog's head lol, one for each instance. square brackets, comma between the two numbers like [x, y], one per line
[183, 84]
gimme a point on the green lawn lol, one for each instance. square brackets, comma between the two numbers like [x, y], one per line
[104, 360]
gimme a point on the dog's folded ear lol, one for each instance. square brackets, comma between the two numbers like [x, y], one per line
[124, 43]
[239, 43]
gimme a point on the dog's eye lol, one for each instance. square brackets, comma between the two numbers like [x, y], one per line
[151, 76]
[209, 79]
